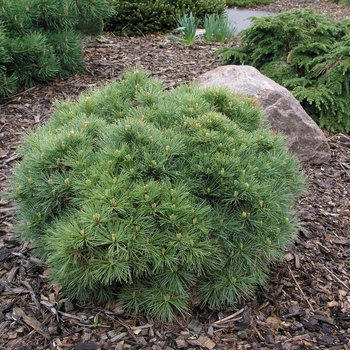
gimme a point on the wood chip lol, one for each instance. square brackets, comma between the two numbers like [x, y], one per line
[31, 322]
[195, 326]
[206, 342]
[181, 343]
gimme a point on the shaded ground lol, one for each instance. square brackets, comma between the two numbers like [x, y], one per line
[306, 304]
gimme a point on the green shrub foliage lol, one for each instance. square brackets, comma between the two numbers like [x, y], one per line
[141, 17]
[247, 3]
[41, 39]
[149, 196]
[307, 53]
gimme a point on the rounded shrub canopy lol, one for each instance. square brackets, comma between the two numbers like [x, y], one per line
[139, 17]
[149, 196]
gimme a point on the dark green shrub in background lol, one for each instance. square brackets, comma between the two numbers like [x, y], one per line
[41, 39]
[150, 196]
[307, 53]
[141, 17]
[247, 3]
[200, 7]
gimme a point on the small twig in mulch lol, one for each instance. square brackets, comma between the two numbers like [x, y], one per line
[337, 278]
[230, 317]
[301, 291]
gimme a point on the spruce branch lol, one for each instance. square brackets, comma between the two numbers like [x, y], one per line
[308, 53]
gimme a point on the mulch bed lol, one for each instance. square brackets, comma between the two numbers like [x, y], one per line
[306, 304]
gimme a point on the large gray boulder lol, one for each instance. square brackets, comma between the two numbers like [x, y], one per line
[284, 112]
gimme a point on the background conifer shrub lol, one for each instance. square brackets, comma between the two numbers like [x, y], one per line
[307, 53]
[247, 3]
[141, 17]
[147, 196]
[41, 39]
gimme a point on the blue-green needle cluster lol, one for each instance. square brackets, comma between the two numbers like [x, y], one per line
[152, 197]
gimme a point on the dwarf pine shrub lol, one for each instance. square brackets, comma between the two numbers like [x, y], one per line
[135, 17]
[309, 54]
[41, 39]
[149, 196]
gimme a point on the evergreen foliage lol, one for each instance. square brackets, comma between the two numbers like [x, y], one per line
[247, 3]
[41, 39]
[135, 17]
[307, 53]
[149, 196]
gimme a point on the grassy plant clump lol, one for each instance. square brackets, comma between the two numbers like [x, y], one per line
[135, 17]
[187, 26]
[149, 196]
[307, 53]
[218, 28]
[41, 39]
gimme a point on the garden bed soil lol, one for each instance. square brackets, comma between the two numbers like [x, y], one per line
[306, 303]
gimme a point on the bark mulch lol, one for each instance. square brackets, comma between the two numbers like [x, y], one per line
[306, 304]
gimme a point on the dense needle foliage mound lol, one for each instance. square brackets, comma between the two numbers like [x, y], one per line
[309, 54]
[138, 17]
[42, 39]
[148, 196]
[247, 3]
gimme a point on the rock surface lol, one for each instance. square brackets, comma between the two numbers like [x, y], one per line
[284, 112]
